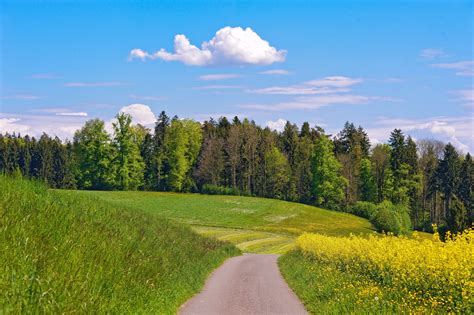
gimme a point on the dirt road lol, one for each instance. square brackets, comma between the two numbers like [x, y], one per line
[248, 284]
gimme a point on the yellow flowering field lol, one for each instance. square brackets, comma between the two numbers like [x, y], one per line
[419, 275]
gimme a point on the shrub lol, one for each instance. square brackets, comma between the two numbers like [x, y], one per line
[364, 209]
[391, 218]
[209, 189]
[385, 216]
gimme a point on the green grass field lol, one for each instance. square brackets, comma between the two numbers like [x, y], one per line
[68, 253]
[256, 225]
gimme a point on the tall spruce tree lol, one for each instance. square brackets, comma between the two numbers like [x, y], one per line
[466, 187]
[448, 176]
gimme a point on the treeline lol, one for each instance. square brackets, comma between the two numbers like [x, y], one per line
[428, 181]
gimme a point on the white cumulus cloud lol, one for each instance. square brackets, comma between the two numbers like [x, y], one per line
[277, 125]
[230, 45]
[141, 114]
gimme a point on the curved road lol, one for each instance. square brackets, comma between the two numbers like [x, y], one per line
[248, 284]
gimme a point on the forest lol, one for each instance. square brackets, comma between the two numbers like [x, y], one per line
[399, 186]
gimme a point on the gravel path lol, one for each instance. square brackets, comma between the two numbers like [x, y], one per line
[247, 284]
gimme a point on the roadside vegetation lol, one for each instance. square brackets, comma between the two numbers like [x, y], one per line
[386, 274]
[76, 254]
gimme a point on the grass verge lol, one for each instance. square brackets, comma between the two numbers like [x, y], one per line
[75, 254]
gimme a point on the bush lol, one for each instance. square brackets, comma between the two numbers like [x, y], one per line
[209, 189]
[391, 218]
[364, 209]
[385, 216]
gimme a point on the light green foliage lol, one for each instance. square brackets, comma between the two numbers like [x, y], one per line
[277, 173]
[62, 253]
[391, 218]
[328, 184]
[183, 145]
[94, 155]
[128, 161]
[385, 216]
[367, 187]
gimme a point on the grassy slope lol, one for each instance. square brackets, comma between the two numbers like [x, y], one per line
[253, 224]
[70, 254]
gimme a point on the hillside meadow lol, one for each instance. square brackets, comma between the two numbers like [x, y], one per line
[258, 225]
[65, 253]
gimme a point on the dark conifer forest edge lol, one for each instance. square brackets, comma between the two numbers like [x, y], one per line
[398, 186]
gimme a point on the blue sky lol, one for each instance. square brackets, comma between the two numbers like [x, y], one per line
[380, 64]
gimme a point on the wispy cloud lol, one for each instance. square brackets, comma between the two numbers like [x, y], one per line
[44, 76]
[327, 85]
[276, 72]
[21, 97]
[315, 102]
[334, 81]
[229, 46]
[432, 53]
[333, 90]
[463, 68]
[79, 114]
[466, 96]
[147, 98]
[297, 90]
[217, 87]
[93, 84]
[218, 77]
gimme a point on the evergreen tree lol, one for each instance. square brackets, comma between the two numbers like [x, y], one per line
[466, 187]
[233, 149]
[397, 156]
[456, 219]
[328, 184]
[211, 162]
[303, 172]
[150, 171]
[305, 130]
[448, 176]
[160, 161]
